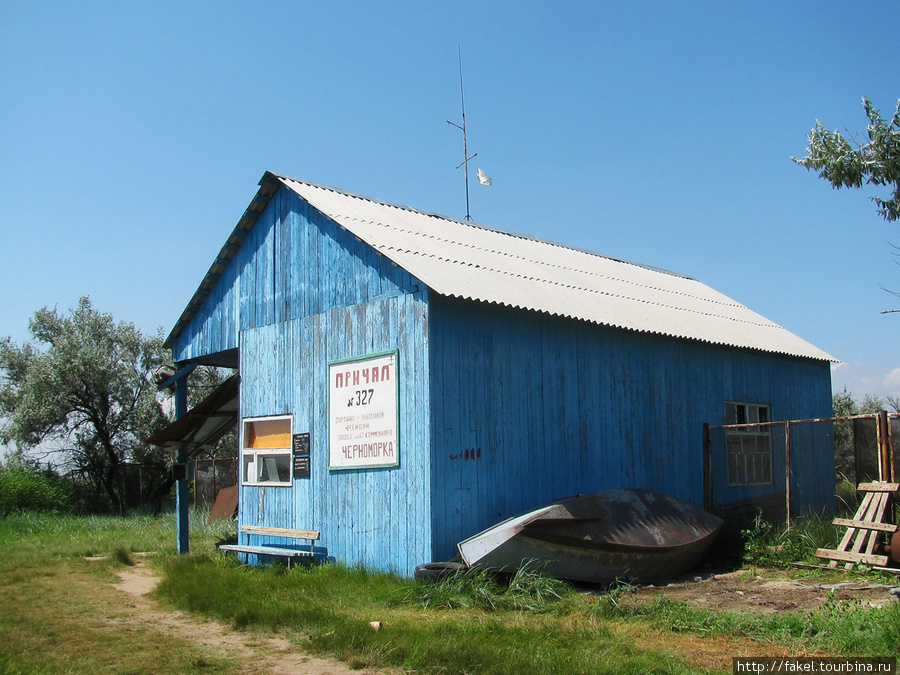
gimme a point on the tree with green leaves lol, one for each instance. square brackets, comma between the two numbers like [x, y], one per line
[844, 449]
[203, 381]
[84, 382]
[844, 162]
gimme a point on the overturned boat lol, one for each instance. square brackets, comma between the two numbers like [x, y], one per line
[627, 534]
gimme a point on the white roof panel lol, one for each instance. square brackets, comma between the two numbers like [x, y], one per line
[469, 261]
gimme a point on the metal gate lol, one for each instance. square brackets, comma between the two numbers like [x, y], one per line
[210, 476]
[776, 467]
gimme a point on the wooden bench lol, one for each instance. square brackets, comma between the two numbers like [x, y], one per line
[270, 550]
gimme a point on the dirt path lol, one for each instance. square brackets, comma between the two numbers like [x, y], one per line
[261, 654]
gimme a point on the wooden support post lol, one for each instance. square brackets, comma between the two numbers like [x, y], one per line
[892, 469]
[707, 482]
[884, 448]
[787, 476]
[182, 489]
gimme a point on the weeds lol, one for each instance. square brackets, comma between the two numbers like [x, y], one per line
[609, 604]
[838, 626]
[532, 590]
[122, 556]
[766, 545]
[472, 589]
[529, 589]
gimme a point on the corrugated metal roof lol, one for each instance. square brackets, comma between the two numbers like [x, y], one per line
[469, 261]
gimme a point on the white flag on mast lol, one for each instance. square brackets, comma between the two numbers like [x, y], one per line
[483, 178]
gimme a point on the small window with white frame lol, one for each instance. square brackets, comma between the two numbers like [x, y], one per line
[266, 451]
[749, 448]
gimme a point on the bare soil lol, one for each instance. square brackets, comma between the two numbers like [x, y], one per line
[749, 593]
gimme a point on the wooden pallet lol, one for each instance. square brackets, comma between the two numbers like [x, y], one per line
[858, 543]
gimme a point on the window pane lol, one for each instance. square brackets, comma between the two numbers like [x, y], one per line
[267, 433]
[766, 477]
[730, 413]
[764, 444]
[249, 469]
[735, 473]
[755, 468]
[274, 468]
[752, 414]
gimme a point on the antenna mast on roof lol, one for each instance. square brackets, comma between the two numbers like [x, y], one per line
[466, 158]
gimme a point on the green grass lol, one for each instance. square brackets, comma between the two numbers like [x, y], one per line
[11, 667]
[479, 625]
[475, 621]
[61, 614]
[845, 627]
[30, 535]
[57, 612]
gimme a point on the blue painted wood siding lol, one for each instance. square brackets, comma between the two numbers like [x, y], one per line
[374, 517]
[300, 292]
[530, 408]
[294, 263]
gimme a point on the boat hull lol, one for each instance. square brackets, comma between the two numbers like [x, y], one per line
[634, 535]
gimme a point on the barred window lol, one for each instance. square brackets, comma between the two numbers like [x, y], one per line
[749, 449]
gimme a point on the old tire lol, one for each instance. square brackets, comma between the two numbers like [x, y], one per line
[437, 571]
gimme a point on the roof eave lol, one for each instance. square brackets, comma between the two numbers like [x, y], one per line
[268, 186]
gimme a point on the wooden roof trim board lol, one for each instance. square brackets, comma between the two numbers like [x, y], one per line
[268, 187]
[525, 272]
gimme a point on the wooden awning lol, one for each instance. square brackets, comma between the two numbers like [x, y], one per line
[204, 424]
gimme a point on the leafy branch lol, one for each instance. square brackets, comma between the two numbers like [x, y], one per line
[876, 162]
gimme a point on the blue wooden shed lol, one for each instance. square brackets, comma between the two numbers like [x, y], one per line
[408, 379]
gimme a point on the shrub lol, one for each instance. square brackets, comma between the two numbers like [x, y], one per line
[32, 490]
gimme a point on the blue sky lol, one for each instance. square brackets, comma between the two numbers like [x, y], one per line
[133, 136]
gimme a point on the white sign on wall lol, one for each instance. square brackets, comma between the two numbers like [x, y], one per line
[362, 412]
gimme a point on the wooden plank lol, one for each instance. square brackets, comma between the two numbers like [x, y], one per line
[878, 487]
[267, 550]
[850, 557]
[861, 513]
[280, 531]
[883, 500]
[864, 525]
[808, 566]
[864, 543]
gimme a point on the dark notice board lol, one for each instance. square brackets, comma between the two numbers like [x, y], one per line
[300, 447]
